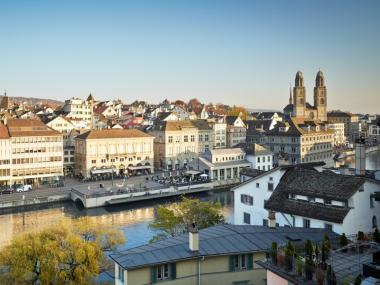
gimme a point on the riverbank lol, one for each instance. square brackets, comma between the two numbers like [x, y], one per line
[351, 152]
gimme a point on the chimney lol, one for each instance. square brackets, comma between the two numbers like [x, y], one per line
[193, 238]
[272, 219]
[360, 156]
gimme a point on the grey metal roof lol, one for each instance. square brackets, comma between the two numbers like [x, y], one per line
[217, 240]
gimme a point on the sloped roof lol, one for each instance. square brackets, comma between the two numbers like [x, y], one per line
[113, 134]
[217, 240]
[29, 127]
[312, 183]
[3, 131]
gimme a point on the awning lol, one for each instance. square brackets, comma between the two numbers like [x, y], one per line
[192, 172]
[139, 167]
[204, 175]
[102, 171]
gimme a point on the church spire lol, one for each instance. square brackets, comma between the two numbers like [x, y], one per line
[290, 95]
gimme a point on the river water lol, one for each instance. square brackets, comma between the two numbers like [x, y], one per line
[133, 219]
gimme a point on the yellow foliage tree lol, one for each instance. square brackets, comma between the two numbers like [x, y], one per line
[58, 255]
[238, 110]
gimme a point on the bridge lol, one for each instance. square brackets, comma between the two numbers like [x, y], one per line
[99, 197]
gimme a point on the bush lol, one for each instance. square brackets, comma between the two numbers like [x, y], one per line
[343, 241]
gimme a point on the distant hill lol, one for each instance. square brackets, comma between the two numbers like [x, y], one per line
[35, 101]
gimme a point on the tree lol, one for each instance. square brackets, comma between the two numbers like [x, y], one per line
[237, 110]
[175, 220]
[343, 241]
[289, 251]
[55, 255]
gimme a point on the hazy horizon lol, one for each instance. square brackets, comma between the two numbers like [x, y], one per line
[235, 52]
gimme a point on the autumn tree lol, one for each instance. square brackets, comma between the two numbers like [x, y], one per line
[57, 255]
[238, 111]
[176, 219]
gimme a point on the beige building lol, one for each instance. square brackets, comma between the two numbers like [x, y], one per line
[122, 151]
[339, 137]
[36, 152]
[223, 255]
[5, 156]
[178, 143]
[300, 141]
[80, 109]
[236, 131]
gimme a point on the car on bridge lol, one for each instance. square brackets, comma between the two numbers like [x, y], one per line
[22, 188]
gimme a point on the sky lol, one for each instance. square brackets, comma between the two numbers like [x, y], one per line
[241, 52]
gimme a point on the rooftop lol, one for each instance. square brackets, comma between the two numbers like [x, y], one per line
[217, 240]
[113, 134]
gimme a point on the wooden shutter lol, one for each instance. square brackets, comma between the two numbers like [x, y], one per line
[173, 271]
[153, 275]
[250, 261]
[232, 263]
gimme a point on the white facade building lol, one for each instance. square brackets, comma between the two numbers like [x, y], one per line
[303, 196]
[338, 128]
[80, 109]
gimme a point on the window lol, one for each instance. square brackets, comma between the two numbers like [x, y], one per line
[103, 160]
[306, 223]
[370, 202]
[192, 138]
[374, 222]
[206, 138]
[162, 272]
[270, 186]
[257, 185]
[246, 199]
[93, 161]
[200, 138]
[247, 218]
[258, 160]
[328, 227]
[170, 139]
[241, 262]
[186, 138]
[265, 222]
[327, 202]
[120, 273]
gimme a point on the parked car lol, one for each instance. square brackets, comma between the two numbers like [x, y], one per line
[23, 188]
[5, 190]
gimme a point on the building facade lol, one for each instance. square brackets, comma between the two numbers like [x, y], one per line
[236, 131]
[339, 137]
[34, 152]
[80, 109]
[5, 156]
[121, 151]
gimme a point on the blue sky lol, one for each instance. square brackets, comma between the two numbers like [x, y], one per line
[236, 52]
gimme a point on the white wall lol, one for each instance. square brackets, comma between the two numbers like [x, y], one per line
[261, 193]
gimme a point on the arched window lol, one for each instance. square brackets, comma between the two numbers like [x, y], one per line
[374, 222]
[301, 101]
[322, 101]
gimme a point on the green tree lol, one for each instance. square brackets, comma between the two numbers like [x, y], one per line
[55, 255]
[175, 220]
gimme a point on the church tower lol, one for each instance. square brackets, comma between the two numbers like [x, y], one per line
[320, 96]
[299, 96]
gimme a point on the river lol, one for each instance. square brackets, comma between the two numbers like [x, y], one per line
[133, 219]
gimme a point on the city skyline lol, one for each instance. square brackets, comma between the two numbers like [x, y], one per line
[215, 51]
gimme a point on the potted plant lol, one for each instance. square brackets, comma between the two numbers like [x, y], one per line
[289, 251]
[376, 236]
[299, 267]
[343, 242]
[274, 253]
[327, 245]
[330, 274]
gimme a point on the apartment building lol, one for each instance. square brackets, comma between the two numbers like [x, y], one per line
[223, 255]
[258, 155]
[219, 133]
[298, 141]
[339, 137]
[80, 109]
[35, 152]
[351, 123]
[236, 131]
[205, 135]
[101, 152]
[374, 132]
[5, 156]
[306, 196]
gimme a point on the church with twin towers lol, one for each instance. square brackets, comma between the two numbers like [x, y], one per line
[299, 108]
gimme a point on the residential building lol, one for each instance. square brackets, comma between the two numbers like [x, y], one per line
[80, 109]
[5, 156]
[305, 196]
[257, 129]
[339, 137]
[351, 123]
[236, 131]
[36, 152]
[205, 135]
[223, 254]
[258, 155]
[374, 132]
[301, 141]
[219, 133]
[222, 164]
[113, 150]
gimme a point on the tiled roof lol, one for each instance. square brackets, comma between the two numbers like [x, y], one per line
[29, 127]
[3, 132]
[312, 183]
[217, 240]
[113, 134]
